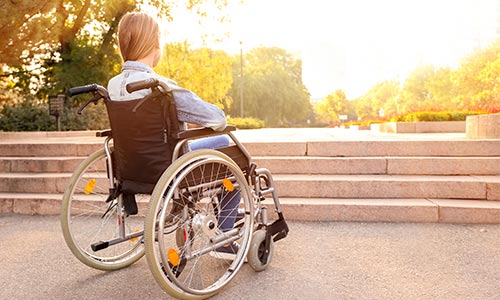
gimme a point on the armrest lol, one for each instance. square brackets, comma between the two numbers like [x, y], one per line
[203, 132]
[103, 133]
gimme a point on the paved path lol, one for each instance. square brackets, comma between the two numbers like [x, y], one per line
[317, 261]
[254, 135]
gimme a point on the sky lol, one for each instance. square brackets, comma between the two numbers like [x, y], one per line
[352, 44]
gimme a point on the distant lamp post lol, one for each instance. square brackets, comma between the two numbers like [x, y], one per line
[242, 114]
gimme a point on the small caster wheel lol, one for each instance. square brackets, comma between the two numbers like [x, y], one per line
[256, 253]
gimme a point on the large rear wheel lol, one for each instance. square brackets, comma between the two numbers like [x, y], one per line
[97, 232]
[193, 221]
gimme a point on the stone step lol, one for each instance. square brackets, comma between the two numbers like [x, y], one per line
[393, 210]
[34, 182]
[54, 164]
[312, 186]
[302, 165]
[24, 148]
[381, 165]
[44, 149]
[405, 148]
[341, 148]
[316, 209]
[387, 186]
[443, 165]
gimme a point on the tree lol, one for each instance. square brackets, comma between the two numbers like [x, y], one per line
[272, 87]
[364, 107]
[415, 94]
[24, 26]
[332, 106]
[442, 88]
[383, 96]
[65, 40]
[478, 79]
[70, 42]
[204, 71]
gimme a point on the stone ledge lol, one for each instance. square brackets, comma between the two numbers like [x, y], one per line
[483, 127]
[360, 210]
[421, 127]
[319, 209]
[360, 127]
[46, 134]
[468, 212]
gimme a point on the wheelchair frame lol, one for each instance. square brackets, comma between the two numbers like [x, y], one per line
[253, 227]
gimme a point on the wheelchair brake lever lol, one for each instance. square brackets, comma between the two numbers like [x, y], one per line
[94, 99]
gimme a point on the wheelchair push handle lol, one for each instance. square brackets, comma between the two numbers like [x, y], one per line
[98, 91]
[82, 89]
[141, 85]
[149, 83]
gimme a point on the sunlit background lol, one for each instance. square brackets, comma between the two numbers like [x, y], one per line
[351, 45]
[274, 63]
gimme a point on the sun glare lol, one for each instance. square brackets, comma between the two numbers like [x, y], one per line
[353, 44]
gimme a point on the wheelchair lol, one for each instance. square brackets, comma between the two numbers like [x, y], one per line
[145, 193]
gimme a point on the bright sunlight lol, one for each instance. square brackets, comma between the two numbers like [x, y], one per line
[352, 45]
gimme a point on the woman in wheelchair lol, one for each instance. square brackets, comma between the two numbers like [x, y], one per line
[139, 45]
[205, 213]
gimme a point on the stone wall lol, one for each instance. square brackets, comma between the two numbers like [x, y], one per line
[483, 127]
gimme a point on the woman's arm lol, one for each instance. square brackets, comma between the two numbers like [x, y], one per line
[192, 109]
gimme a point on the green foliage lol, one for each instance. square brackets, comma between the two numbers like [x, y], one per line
[362, 123]
[203, 71]
[94, 117]
[24, 25]
[85, 64]
[25, 116]
[271, 87]
[246, 123]
[478, 79]
[436, 116]
[415, 94]
[382, 97]
[58, 44]
[473, 86]
[29, 115]
[332, 106]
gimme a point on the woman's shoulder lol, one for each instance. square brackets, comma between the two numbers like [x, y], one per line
[171, 83]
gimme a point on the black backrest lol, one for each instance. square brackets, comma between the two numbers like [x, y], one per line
[144, 137]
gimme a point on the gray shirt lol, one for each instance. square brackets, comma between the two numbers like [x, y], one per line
[190, 107]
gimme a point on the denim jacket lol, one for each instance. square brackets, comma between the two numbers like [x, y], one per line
[190, 107]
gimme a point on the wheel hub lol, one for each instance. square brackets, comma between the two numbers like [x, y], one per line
[206, 224]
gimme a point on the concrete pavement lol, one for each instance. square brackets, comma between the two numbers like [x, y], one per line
[317, 261]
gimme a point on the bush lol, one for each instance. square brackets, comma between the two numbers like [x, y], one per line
[26, 116]
[436, 116]
[31, 116]
[94, 117]
[364, 122]
[246, 123]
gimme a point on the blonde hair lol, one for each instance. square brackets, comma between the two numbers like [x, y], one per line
[138, 35]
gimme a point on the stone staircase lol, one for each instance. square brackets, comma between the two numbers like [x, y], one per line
[383, 180]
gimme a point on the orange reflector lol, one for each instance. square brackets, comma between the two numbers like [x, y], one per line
[89, 187]
[173, 257]
[133, 240]
[228, 184]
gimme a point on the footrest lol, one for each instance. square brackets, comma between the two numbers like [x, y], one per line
[278, 229]
[99, 246]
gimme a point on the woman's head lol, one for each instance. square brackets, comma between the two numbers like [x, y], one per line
[138, 37]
